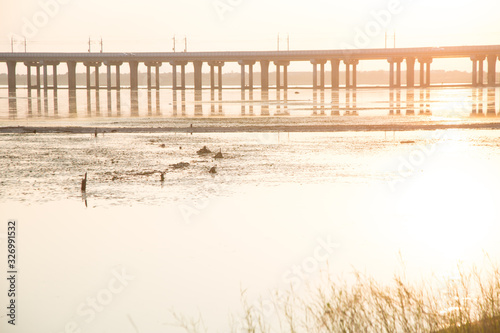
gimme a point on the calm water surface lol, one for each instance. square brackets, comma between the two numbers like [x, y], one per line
[194, 241]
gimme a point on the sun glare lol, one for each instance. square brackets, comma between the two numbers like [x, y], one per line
[448, 207]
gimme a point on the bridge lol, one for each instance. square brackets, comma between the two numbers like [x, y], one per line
[281, 59]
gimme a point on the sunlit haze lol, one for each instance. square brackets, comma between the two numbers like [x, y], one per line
[66, 25]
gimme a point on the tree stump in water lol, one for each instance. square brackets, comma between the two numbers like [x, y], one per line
[84, 183]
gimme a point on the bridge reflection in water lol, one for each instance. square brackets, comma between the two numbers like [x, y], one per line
[448, 102]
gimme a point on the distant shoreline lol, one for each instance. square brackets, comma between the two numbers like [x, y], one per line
[246, 128]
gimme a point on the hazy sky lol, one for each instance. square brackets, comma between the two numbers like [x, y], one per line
[149, 25]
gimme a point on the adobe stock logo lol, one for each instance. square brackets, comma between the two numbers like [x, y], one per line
[380, 20]
[88, 310]
[48, 10]
[222, 7]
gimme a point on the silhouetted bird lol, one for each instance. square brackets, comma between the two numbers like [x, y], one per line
[213, 170]
[162, 177]
[84, 183]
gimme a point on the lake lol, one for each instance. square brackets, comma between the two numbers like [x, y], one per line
[283, 207]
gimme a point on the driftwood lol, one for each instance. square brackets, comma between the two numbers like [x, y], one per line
[204, 151]
[180, 165]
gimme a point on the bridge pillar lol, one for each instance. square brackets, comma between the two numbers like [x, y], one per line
[393, 61]
[212, 65]
[425, 71]
[335, 73]
[321, 63]
[28, 68]
[410, 72]
[108, 75]
[243, 64]
[474, 71]
[118, 76]
[398, 73]
[477, 70]
[264, 75]
[174, 77]
[242, 76]
[354, 64]
[182, 64]
[28, 77]
[71, 75]
[278, 77]
[347, 75]
[96, 73]
[349, 63]
[54, 76]
[156, 65]
[54, 65]
[157, 75]
[45, 84]
[212, 76]
[322, 74]
[148, 79]
[134, 75]
[11, 75]
[198, 83]
[492, 60]
[284, 64]
[481, 71]
[422, 74]
[109, 65]
[88, 76]
[38, 85]
[219, 72]
[96, 65]
[250, 76]
[183, 76]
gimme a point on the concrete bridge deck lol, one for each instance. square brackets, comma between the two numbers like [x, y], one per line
[247, 59]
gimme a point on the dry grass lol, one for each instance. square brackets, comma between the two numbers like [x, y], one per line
[469, 303]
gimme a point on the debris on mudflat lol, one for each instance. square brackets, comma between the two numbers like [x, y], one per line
[162, 145]
[219, 154]
[407, 141]
[180, 165]
[162, 177]
[204, 151]
[213, 170]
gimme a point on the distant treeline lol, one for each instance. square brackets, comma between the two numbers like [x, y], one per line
[294, 78]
